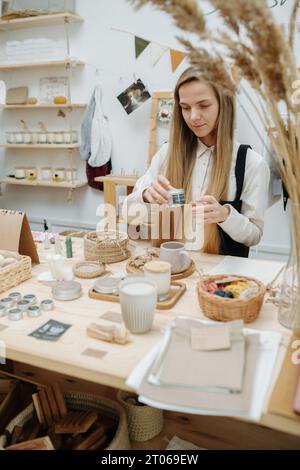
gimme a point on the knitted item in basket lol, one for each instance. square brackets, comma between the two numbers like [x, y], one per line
[14, 274]
[109, 246]
[81, 401]
[224, 309]
[144, 422]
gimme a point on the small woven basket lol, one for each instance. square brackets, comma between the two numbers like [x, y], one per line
[71, 233]
[14, 274]
[89, 269]
[144, 422]
[81, 401]
[224, 309]
[109, 246]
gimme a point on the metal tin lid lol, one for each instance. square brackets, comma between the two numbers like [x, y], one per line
[7, 301]
[67, 290]
[47, 304]
[16, 296]
[23, 304]
[15, 314]
[33, 311]
[107, 285]
[3, 310]
[177, 196]
[31, 298]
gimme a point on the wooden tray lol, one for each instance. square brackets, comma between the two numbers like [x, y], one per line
[176, 291]
[174, 277]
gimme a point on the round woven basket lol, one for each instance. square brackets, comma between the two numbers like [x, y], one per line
[224, 309]
[71, 233]
[81, 401]
[144, 422]
[89, 269]
[109, 246]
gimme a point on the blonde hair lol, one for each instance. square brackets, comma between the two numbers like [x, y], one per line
[183, 147]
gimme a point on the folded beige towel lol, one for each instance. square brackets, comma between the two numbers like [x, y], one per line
[111, 333]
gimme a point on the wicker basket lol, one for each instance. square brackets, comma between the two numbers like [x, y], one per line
[144, 422]
[16, 273]
[108, 246]
[81, 401]
[224, 309]
[71, 233]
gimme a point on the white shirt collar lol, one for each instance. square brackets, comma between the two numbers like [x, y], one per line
[202, 148]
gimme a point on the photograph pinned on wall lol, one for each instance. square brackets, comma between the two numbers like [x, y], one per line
[134, 96]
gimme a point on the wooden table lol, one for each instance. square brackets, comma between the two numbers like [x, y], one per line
[66, 361]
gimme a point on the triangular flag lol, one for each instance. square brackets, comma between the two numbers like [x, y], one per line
[157, 51]
[176, 58]
[140, 45]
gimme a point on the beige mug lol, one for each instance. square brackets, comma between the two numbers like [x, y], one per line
[175, 254]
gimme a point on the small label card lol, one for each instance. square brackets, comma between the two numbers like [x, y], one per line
[112, 316]
[50, 331]
[210, 339]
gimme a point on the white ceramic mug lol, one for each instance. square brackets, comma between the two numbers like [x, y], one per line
[175, 254]
[160, 273]
[138, 297]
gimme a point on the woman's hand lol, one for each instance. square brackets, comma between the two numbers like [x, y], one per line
[158, 192]
[213, 212]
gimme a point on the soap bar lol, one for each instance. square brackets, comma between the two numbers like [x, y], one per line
[210, 339]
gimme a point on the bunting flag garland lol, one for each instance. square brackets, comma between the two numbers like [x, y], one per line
[157, 51]
[176, 58]
[140, 45]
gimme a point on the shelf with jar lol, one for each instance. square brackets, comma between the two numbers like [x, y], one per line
[40, 21]
[44, 176]
[46, 184]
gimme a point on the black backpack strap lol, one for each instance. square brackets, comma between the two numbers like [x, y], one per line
[240, 169]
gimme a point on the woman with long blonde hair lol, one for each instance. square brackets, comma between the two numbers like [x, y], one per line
[229, 180]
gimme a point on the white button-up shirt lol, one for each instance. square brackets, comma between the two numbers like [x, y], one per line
[245, 227]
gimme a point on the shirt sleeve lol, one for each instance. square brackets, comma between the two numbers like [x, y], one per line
[247, 227]
[157, 167]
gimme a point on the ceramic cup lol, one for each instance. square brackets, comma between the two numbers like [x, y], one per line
[19, 172]
[175, 254]
[160, 273]
[138, 297]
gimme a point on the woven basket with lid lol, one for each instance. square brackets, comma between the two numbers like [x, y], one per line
[109, 246]
[224, 309]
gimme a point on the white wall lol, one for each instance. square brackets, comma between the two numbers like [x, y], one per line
[112, 52]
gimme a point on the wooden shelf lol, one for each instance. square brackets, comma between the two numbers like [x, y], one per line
[28, 65]
[118, 180]
[40, 146]
[47, 184]
[45, 106]
[41, 20]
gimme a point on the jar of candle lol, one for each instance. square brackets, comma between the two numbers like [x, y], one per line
[19, 172]
[42, 137]
[51, 137]
[27, 137]
[19, 138]
[10, 137]
[71, 174]
[34, 137]
[74, 137]
[59, 137]
[67, 137]
[46, 173]
[59, 175]
[31, 173]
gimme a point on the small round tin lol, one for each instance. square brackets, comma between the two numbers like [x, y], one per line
[107, 285]
[8, 302]
[67, 290]
[3, 310]
[15, 314]
[31, 298]
[16, 296]
[23, 305]
[33, 311]
[47, 305]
